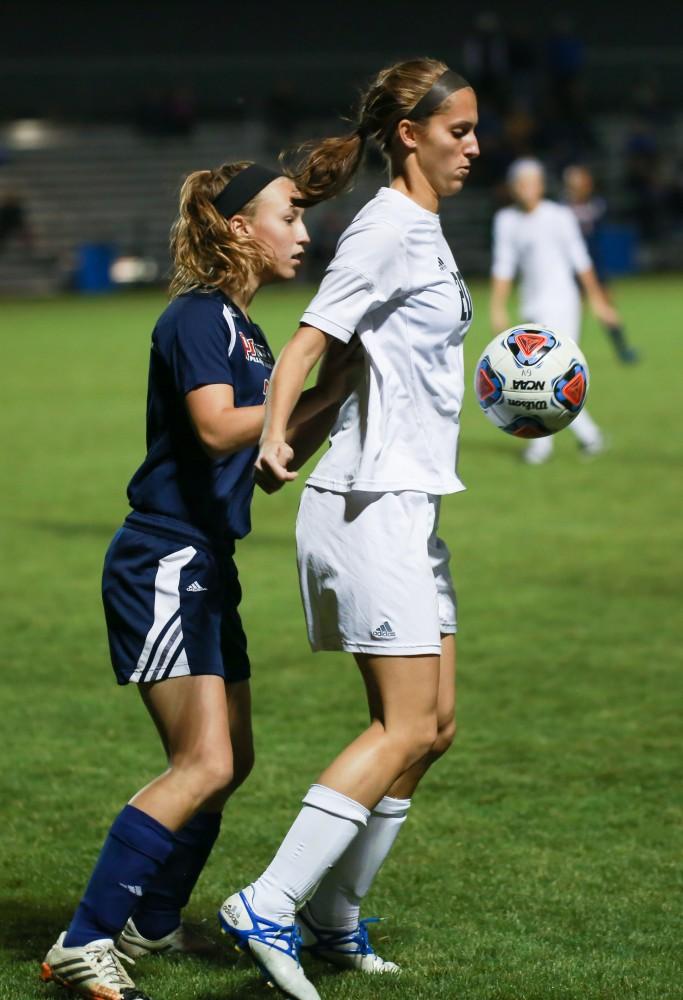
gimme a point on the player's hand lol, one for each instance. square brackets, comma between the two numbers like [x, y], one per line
[266, 481]
[341, 369]
[273, 459]
[606, 313]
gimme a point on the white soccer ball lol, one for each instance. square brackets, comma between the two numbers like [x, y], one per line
[531, 382]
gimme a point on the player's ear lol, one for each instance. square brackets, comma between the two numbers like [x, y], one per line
[239, 225]
[406, 133]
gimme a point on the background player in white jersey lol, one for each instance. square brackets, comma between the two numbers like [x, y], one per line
[170, 585]
[374, 573]
[540, 241]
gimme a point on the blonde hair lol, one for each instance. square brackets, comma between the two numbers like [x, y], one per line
[206, 253]
[329, 167]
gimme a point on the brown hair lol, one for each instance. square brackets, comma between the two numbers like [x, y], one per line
[329, 167]
[206, 252]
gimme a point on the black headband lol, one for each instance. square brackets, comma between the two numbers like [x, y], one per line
[442, 88]
[243, 187]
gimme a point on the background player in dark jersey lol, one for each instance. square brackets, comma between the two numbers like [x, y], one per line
[590, 210]
[170, 586]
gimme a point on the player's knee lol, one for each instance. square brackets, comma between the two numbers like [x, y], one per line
[208, 773]
[445, 737]
[219, 774]
[419, 739]
[243, 765]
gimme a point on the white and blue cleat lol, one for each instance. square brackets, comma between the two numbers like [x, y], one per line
[345, 949]
[274, 948]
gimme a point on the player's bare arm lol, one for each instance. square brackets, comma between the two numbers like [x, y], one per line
[223, 428]
[297, 360]
[595, 294]
[500, 294]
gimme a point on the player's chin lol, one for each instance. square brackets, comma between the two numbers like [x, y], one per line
[288, 269]
[454, 185]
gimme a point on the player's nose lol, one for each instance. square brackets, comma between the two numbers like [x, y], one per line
[472, 150]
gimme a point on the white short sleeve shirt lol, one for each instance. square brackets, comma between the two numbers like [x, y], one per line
[394, 282]
[546, 249]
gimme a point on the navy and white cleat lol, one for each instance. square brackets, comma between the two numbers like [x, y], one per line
[274, 948]
[346, 949]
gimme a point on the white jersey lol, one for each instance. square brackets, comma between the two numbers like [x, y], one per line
[394, 282]
[546, 248]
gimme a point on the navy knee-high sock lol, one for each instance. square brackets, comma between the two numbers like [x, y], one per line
[136, 847]
[159, 911]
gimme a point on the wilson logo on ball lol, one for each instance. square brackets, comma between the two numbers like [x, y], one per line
[528, 347]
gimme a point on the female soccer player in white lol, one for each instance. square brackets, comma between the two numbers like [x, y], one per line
[170, 585]
[541, 241]
[374, 574]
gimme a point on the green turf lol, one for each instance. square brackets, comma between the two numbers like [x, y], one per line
[542, 860]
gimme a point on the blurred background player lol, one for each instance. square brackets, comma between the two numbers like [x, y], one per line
[590, 209]
[374, 574]
[170, 585]
[540, 242]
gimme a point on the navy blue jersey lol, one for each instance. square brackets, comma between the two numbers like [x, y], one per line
[201, 338]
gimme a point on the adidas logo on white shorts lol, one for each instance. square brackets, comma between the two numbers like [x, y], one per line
[383, 631]
[195, 587]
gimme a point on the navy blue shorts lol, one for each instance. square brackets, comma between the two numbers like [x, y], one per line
[171, 608]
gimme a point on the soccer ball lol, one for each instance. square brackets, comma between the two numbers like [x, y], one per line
[531, 382]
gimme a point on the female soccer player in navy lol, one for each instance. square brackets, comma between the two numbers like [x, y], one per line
[170, 585]
[373, 571]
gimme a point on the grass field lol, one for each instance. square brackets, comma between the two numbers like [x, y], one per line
[542, 860]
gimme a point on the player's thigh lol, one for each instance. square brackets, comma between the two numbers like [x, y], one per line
[403, 691]
[191, 715]
[240, 724]
[447, 695]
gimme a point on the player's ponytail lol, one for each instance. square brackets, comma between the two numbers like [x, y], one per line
[327, 168]
[206, 253]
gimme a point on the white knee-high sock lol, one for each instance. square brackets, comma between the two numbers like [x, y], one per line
[337, 900]
[540, 448]
[317, 838]
[585, 429]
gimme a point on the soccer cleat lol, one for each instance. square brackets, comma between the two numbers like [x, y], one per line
[94, 970]
[274, 948]
[182, 939]
[594, 448]
[346, 949]
[629, 356]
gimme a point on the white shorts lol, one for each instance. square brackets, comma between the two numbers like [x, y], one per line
[373, 573]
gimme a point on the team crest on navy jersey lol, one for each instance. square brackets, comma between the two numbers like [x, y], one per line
[258, 353]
